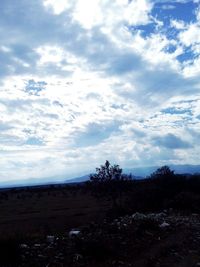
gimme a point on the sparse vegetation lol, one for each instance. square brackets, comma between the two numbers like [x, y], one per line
[29, 214]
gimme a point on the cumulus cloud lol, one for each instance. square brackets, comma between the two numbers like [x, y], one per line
[81, 83]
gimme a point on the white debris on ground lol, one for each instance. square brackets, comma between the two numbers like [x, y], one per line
[74, 232]
[164, 224]
[125, 232]
[138, 216]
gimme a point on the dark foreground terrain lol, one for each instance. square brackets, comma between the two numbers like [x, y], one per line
[37, 211]
[122, 222]
[140, 240]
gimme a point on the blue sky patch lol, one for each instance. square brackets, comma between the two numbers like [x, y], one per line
[34, 88]
[188, 55]
[34, 141]
[173, 110]
[181, 11]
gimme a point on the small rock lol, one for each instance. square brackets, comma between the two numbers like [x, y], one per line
[50, 238]
[78, 257]
[24, 246]
[164, 225]
[138, 216]
[74, 233]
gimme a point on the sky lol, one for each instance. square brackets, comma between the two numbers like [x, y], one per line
[84, 81]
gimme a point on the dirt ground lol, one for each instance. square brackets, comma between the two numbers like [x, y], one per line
[47, 211]
[166, 239]
[159, 240]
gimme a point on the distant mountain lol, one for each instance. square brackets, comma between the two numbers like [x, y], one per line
[179, 169]
[27, 182]
[141, 173]
[43, 181]
[78, 179]
[138, 173]
[183, 169]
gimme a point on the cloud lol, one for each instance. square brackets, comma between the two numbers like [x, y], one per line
[172, 142]
[111, 13]
[80, 85]
[191, 35]
[96, 133]
[178, 24]
[168, 7]
[5, 126]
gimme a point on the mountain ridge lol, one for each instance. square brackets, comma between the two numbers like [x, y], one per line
[138, 173]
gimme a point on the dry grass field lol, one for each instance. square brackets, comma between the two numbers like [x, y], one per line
[38, 211]
[152, 223]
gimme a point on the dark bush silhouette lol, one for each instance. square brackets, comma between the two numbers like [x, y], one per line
[107, 172]
[162, 173]
[109, 181]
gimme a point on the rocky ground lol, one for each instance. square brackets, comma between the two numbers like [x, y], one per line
[139, 240]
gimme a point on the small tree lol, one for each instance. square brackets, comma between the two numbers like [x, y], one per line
[110, 181]
[168, 183]
[107, 173]
[163, 172]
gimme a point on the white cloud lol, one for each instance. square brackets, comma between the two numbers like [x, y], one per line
[168, 7]
[191, 35]
[58, 6]
[111, 14]
[178, 24]
[80, 86]
[50, 54]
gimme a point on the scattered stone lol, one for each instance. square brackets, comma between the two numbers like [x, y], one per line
[50, 238]
[24, 246]
[115, 237]
[77, 257]
[138, 216]
[164, 225]
[74, 233]
[156, 216]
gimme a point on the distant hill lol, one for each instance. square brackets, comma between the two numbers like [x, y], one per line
[138, 173]
[78, 179]
[43, 181]
[179, 169]
[141, 173]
